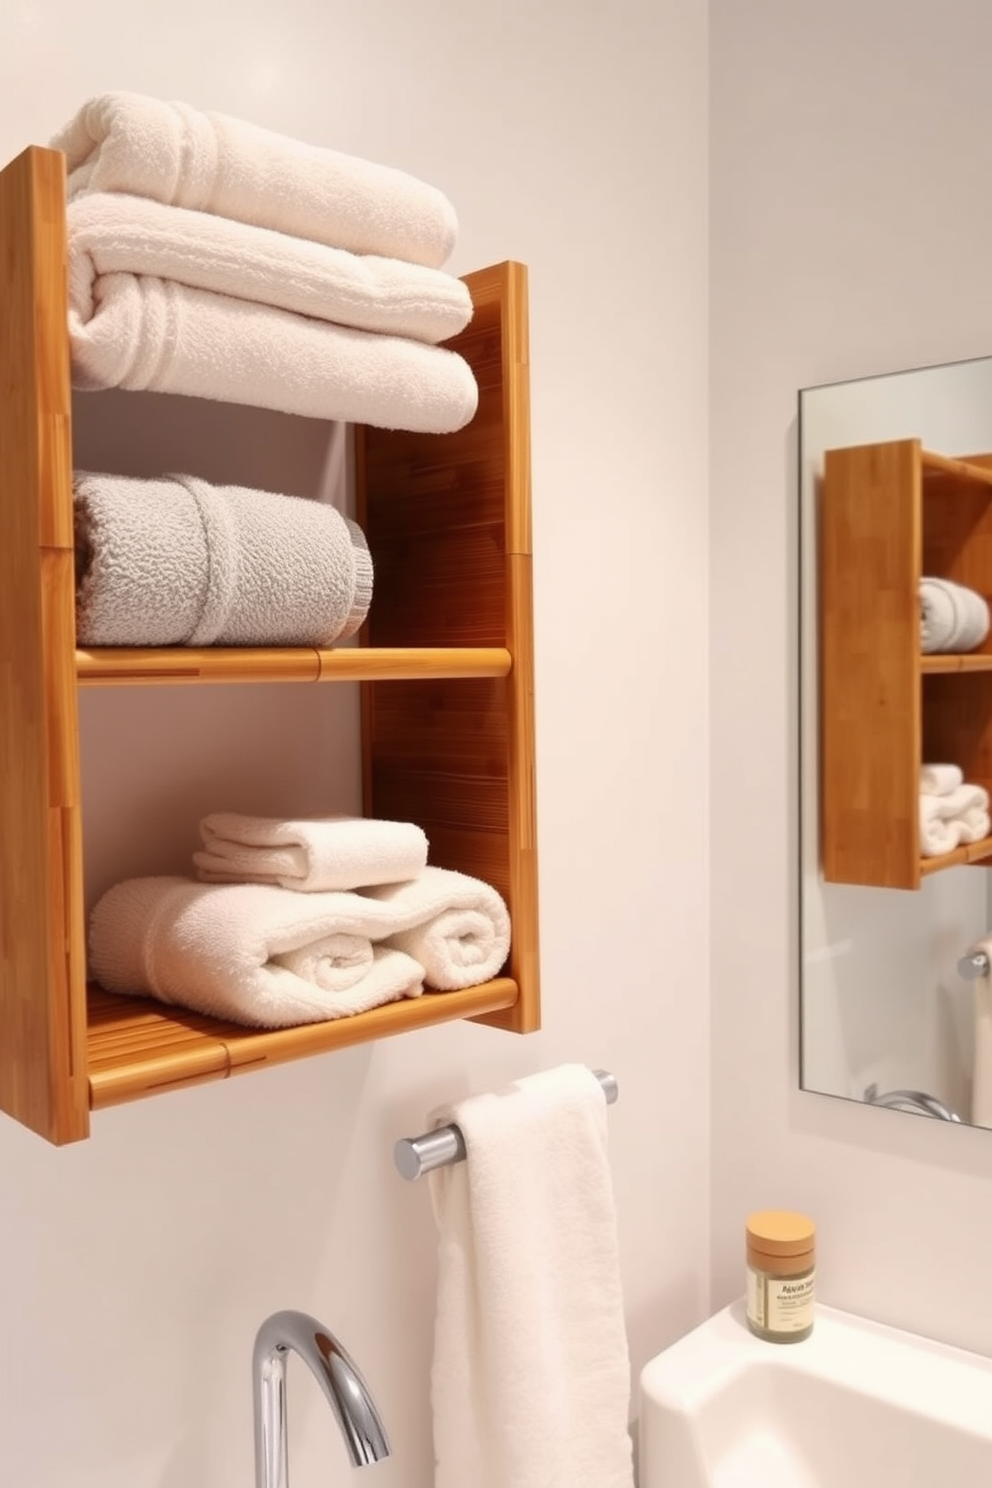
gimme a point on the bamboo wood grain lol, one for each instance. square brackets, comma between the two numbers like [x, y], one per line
[448, 524]
[870, 680]
[115, 667]
[138, 1049]
[42, 1016]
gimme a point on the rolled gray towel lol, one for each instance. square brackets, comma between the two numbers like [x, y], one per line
[177, 562]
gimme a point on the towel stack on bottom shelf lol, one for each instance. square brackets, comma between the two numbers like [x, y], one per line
[299, 922]
[952, 812]
[215, 259]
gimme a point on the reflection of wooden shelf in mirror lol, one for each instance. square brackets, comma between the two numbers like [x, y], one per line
[447, 679]
[889, 514]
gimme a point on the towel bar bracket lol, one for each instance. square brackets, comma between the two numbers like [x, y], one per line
[415, 1156]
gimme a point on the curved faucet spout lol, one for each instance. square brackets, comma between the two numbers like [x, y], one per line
[338, 1376]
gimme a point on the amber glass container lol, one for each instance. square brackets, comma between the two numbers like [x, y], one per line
[781, 1275]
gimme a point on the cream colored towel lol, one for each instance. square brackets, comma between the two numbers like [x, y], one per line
[531, 1378]
[210, 162]
[341, 852]
[256, 955]
[158, 336]
[179, 562]
[112, 234]
[456, 926]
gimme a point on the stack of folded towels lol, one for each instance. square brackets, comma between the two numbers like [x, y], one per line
[952, 617]
[178, 562]
[952, 812]
[216, 259]
[299, 922]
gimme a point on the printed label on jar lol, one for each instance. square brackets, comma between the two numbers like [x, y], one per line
[780, 1304]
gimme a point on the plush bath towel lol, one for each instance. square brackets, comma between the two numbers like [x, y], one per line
[457, 927]
[112, 234]
[257, 955]
[959, 816]
[940, 780]
[341, 852]
[211, 162]
[952, 618]
[176, 561]
[222, 948]
[531, 1379]
[155, 335]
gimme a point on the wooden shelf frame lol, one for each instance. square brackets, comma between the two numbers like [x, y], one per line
[888, 515]
[446, 668]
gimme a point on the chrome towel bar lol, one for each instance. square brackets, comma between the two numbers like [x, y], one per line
[416, 1156]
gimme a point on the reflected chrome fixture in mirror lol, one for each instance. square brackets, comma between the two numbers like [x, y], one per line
[338, 1376]
[895, 500]
[911, 1100]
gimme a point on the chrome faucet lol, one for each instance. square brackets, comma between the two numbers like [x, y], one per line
[338, 1376]
[911, 1100]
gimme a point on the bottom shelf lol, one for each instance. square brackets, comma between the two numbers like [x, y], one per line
[972, 852]
[136, 1047]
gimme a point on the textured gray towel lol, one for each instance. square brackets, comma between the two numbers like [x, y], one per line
[176, 561]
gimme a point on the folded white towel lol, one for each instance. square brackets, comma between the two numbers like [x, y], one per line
[530, 1381]
[111, 234]
[211, 162]
[341, 852]
[940, 780]
[176, 561]
[457, 927]
[952, 618]
[237, 950]
[959, 816]
[154, 335]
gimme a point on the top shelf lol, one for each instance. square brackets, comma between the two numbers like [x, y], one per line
[110, 667]
[969, 470]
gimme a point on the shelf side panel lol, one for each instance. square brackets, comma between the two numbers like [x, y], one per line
[870, 554]
[448, 523]
[42, 995]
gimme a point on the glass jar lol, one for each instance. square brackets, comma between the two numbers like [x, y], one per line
[781, 1275]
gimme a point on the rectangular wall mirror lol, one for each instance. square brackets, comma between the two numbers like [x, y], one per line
[895, 487]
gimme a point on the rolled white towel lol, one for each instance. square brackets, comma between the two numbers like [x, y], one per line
[940, 780]
[952, 618]
[211, 162]
[459, 927]
[947, 821]
[310, 856]
[236, 951]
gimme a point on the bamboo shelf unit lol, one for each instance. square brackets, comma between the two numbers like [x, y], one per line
[889, 514]
[446, 668]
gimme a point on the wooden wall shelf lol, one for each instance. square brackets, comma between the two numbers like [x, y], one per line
[888, 515]
[446, 674]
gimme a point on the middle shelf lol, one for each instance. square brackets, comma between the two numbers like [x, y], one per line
[109, 667]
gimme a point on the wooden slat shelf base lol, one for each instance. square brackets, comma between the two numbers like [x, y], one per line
[965, 662]
[136, 1048]
[972, 852]
[127, 666]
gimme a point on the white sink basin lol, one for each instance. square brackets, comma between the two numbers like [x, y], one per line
[855, 1405]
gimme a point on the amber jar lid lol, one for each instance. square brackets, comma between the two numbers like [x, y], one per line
[780, 1232]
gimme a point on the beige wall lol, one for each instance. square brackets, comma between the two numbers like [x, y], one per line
[137, 1267]
[851, 230]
